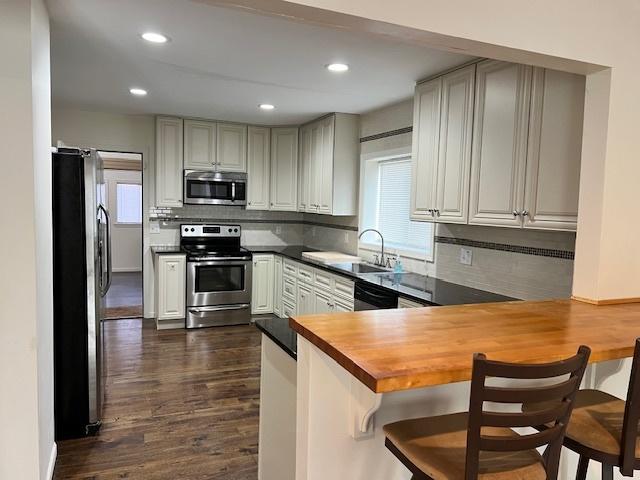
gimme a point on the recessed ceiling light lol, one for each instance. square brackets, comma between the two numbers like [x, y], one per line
[338, 67]
[139, 92]
[266, 106]
[154, 37]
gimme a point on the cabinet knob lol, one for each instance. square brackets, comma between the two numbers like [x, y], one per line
[516, 213]
[249, 203]
[525, 213]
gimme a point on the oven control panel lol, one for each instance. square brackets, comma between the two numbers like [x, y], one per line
[209, 231]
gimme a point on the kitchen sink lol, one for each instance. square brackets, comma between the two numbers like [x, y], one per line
[360, 268]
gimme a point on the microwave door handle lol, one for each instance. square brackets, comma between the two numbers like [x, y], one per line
[233, 191]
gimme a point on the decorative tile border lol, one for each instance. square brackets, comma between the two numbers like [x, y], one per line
[540, 252]
[251, 220]
[390, 133]
[330, 225]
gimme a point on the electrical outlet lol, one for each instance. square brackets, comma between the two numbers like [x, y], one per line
[154, 227]
[466, 256]
[278, 230]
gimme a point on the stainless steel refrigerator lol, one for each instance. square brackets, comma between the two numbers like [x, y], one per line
[81, 278]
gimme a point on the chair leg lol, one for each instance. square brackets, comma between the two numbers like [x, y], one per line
[607, 472]
[583, 466]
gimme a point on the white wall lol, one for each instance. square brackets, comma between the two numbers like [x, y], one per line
[119, 132]
[571, 35]
[26, 338]
[126, 240]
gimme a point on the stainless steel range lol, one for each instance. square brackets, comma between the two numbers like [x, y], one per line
[218, 276]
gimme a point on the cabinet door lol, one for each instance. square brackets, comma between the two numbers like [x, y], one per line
[454, 152]
[169, 162]
[426, 133]
[284, 169]
[171, 277]
[499, 143]
[304, 300]
[555, 148]
[231, 151]
[325, 204]
[341, 305]
[277, 285]
[262, 285]
[199, 145]
[258, 168]
[406, 303]
[303, 168]
[322, 302]
[315, 167]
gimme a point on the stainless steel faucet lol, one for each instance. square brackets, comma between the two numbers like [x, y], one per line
[376, 261]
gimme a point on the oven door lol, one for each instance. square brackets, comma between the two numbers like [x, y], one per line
[218, 282]
[214, 188]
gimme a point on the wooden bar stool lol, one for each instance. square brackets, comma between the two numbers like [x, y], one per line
[604, 428]
[481, 444]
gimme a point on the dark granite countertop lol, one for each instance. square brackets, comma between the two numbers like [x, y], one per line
[420, 288]
[165, 249]
[278, 330]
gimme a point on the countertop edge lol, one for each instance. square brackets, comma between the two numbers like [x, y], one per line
[279, 343]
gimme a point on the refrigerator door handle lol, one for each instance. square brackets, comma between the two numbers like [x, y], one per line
[109, 260]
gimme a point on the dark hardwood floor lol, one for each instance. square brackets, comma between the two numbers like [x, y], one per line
[180, 405]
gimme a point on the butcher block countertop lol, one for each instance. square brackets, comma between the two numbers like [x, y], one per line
[391, 350]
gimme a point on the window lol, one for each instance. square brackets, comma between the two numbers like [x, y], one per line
[386, 190]
[129, 203]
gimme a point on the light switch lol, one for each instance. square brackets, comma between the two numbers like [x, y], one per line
[466, 256]
[154, 227]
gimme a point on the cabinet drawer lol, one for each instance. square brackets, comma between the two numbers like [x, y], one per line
[341, 305]
[406, 303]
[289, 288]
[344, 288]
[288, 309]
[305, 273]
[289, 268]
[323, 280]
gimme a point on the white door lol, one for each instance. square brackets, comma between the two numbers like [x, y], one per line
[303, 168]
[262, 285]
[426, 133]
[171, 286]
[284, 169]
[499, 143]
[169, 162]
[258, 168]
[322, 302]
[277, 287]
[304, 299]
[231, 151]
[315, 167]
[325, 204]
[555, 148]
[199, 145]
[454, 152]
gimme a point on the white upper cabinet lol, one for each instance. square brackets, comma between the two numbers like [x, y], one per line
[258, 168]
[426, 135]
[231, 148]
[554, 151]
[284, 169]
[303, 168]
[454, 151]
[499, 143]
[169, 150]
[333, 165]
[199, 145]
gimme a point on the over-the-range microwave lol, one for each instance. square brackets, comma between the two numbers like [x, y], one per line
[215, 188]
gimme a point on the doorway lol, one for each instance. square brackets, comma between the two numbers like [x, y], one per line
[123, 195]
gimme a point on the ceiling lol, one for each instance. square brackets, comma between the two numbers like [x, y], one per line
[221, 63]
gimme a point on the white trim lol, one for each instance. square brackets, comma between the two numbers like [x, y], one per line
[52, 461]
[127, 269]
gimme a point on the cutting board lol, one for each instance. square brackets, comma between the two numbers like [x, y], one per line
[331, 257]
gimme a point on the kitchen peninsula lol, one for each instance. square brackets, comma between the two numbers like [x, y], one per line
[359, 371]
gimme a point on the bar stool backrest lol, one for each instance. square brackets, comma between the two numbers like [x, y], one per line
[631, 417]
[559, 396]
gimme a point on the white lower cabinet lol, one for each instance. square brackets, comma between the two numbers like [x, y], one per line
[322, 301]
[342, 305]
[262, 284]
[304, 299]
[406, 303]
[277, 285]
[170, 286]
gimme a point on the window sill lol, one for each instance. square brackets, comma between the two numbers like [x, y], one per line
[412, 254]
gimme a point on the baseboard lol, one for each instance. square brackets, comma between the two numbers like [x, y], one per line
[126, 270]
[607, 301]
[52, 461]
[170, 324]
